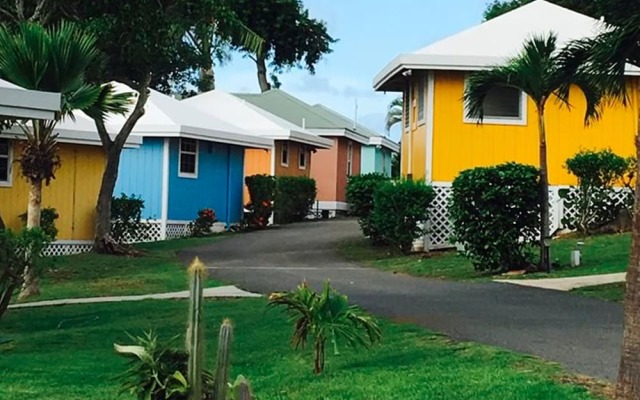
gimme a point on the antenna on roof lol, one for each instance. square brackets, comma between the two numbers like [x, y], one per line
[355, 118]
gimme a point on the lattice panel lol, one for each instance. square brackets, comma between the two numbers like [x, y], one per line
[150, 231]
[177, 230]
[67, 249]
[440, 229]
[620, 196]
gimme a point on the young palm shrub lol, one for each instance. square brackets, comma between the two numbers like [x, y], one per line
[51, 60]
[540, 72]
[326, 316]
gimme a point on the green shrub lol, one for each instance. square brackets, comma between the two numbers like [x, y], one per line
[593, 199]
[17, 253]
[360, 192]
[294, 198]
[261, 192]
[201, 226]
[399, 209]
[48, 217]
[495, 212]
[126, 218]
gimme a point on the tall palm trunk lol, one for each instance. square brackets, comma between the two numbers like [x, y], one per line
[545, 263]
[628, 387]
[104, 243]
[31, 285]
[207, 79]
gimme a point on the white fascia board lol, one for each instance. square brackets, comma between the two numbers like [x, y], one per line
[226, 137]
[349, 134]
[406, 62]
[312, 140]
[79, 137]
[384, 142]
[30, 102]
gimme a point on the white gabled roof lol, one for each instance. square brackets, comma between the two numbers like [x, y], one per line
[494, 41]
[254, 120]
[18, 102]
[168, 117]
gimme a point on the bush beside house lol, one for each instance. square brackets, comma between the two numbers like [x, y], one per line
[294, 198]
[360, 196]
[261, 190]
[495, 212]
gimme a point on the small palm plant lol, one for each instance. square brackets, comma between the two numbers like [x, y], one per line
[326, 316]
[394, 113]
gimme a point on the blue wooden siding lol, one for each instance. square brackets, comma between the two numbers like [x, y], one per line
[368, 160]
[383, 161]
[140, 174]
[375, 159]
[218, 185]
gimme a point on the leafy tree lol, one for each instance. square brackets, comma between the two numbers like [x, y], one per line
[326, 316]
[542, 72]
[606, 58]
[394, 113]
[609, 9]
[51, 60]
[291, 37]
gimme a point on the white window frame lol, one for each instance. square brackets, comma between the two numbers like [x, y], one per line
[349, 158]
[180, 152]
[422, 89]
[9, 158]
[284, 163]
[519, 121]
[302, 152]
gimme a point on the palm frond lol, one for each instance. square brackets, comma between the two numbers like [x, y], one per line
[480, 84]
[109, 102]
[394, 113]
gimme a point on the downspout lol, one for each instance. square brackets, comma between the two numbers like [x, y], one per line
[164, 210]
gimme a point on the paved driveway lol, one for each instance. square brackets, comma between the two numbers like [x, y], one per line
[581, 333]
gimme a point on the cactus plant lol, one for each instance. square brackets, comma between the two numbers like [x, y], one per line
[194, 330]
[223, 361]
[242, 389]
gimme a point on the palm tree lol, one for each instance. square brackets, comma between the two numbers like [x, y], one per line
[542, 72]
[51, 60]
[326, 315]
[394, 113]
[606, 58]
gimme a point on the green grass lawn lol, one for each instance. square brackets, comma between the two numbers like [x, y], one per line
[610, 292]
[600, 255]
[66, 353]
[156, 270]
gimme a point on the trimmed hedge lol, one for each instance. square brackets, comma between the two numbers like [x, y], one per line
[360, 196]
[261, 194]
[294, 198]
[399, 209]
[495, 213]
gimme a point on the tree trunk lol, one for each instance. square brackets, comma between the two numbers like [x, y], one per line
[319, 356]
[207, 79]
[265, 86]
[104, 243]
[545, 261]
[628, 387]
[31, 284]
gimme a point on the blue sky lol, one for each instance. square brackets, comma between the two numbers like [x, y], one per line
[370, 33]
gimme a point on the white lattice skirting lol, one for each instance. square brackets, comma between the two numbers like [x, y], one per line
[151, 231]
[440, 228]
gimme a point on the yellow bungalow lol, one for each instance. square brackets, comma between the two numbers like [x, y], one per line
[438, 142]
[74, 191]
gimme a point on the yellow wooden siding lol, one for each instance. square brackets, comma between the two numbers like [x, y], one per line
[256, 162]
[73, 193]
[458, 146]
[414, 138]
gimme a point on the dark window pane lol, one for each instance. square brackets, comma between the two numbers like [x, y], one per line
[188, 163]
[188, 145]
[4, 170]
[4, 147]
[503, 103]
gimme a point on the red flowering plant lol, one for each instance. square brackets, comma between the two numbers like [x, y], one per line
[261, 191]
[202, 225]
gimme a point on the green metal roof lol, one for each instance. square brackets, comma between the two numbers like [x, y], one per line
[344, 121]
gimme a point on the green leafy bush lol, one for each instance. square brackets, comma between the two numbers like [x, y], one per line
[294, 198]
[360, 194]
[326, 316]
[399, 209]
[48, 217]
[201, 226]
[126, 218]
[17, 253]
[593, 199]
[495, 212]
[261, 193]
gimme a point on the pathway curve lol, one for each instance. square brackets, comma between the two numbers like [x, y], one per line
[221, 291]
[582, 333]
[566, 284]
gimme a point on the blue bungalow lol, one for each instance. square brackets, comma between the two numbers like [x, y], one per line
[188, 161]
